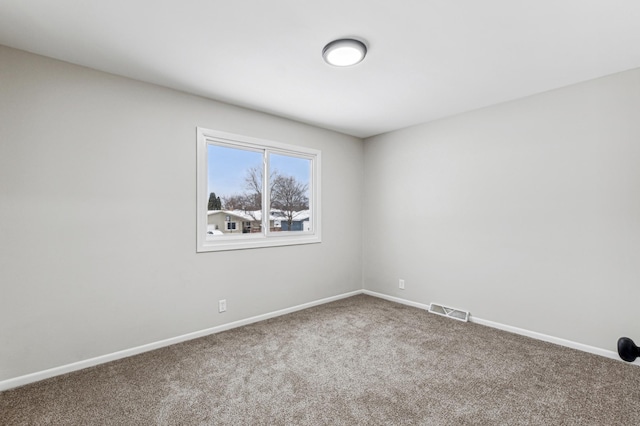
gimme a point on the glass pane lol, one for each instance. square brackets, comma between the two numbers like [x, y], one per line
[234, 182]
[290, 183]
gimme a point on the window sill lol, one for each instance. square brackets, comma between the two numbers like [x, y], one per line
[250, 242]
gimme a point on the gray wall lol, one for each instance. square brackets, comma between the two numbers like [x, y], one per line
[525, 213]
[98, 209]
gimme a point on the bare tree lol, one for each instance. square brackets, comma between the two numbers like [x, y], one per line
[235, 202]
[253, 180]
[289, 196]
[251, 199]
[253, 183]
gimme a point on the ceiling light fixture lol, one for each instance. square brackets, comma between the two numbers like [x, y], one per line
[344, 52]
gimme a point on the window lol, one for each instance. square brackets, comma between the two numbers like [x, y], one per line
[255, 193]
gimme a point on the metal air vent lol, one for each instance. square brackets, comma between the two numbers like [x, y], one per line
[446, 311]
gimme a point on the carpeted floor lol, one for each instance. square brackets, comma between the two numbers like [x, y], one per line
[357, 361]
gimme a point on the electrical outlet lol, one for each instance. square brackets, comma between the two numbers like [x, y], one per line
[401, 284]
[222, 305]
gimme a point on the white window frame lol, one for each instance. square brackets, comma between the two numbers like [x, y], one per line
[265, 238]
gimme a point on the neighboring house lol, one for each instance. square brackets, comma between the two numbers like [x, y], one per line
[300, 220]
[232, 222]
[297, 225]
[242, 222]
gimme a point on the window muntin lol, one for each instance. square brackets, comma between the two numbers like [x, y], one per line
[233, 194]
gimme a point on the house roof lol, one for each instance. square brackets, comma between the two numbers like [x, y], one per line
[256, 215]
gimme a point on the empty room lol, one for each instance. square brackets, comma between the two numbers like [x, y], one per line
[319, 213]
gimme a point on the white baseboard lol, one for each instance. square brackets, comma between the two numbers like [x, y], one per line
[68, 368]
[396, 299]
[533, 334]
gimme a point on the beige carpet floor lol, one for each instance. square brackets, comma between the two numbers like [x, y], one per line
[357, 361]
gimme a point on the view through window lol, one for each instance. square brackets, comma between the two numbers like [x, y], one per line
[255, 193]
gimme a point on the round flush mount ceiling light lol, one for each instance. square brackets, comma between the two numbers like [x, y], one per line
[344, 52]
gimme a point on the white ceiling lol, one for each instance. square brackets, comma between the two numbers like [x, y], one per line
[427, 58]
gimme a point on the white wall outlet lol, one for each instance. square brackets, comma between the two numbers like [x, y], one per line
[222, 305]
[401, 284]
